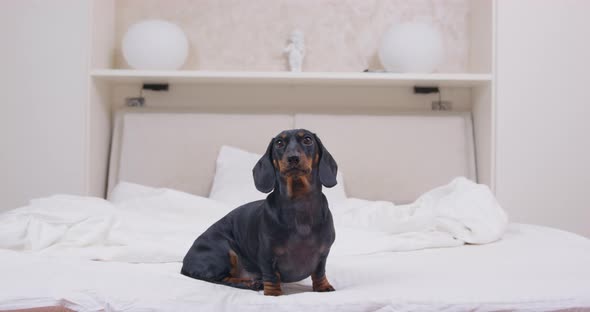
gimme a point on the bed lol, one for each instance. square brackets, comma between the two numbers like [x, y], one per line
[414, 232]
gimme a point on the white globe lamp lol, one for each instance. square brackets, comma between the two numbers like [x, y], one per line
[155, 45]
[411, 48]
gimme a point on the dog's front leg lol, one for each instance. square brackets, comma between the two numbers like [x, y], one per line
[271, 279]
[319, 281]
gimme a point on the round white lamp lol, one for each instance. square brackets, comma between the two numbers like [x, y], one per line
[155, 44]
[411, 48]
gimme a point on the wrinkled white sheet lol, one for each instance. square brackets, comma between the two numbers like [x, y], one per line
[530, 269]
[45, 247]
[141, 224]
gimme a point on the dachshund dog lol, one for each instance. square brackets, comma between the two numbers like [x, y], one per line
[283, 238]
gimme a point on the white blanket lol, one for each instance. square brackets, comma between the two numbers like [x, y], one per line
[141, 224]
[44, 249]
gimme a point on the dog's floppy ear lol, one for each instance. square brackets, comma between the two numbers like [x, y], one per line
[327, 166]
[264, 171]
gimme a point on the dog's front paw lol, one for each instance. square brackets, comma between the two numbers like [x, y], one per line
[324, 288]
[271, 289]
[322, 285]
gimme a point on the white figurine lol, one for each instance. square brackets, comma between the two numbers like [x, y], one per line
[296, 50]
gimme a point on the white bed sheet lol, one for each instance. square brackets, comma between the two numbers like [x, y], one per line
[532, 268]
[46, 250]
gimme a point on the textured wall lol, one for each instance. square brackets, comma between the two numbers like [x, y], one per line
[341, 35]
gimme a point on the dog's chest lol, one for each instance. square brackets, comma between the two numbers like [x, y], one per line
[299, 256]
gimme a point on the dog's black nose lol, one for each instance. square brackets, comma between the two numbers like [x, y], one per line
[293, 160]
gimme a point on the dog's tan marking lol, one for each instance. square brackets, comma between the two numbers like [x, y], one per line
[298, 186]
[304, 161]
[321, 284]
[237, 275]
[304, 186]
[233, 261]
[289, 187]
[273, 289]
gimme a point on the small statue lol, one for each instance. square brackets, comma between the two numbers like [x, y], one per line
[296, 50]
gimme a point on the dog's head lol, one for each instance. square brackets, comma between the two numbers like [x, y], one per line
[292, 154]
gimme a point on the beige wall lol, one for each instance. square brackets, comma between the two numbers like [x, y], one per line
[341, 35]
[43, 98]
[543, 112]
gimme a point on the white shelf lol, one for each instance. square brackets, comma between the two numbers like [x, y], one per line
[289, 78]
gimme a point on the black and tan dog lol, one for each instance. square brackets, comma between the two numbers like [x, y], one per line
[284, 238]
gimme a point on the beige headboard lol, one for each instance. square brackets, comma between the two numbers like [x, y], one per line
[394, 157]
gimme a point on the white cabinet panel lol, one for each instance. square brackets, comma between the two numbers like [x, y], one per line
[543, 112]
[43, 99]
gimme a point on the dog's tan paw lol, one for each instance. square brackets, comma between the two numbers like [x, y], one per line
[322, 285]
[324, 288]
[271, 289]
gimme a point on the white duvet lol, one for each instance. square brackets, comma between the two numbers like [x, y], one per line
[147, 225]
[142, 234]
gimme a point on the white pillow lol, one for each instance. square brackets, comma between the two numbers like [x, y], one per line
[233, 183]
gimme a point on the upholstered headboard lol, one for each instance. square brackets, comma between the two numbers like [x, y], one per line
[394, 157]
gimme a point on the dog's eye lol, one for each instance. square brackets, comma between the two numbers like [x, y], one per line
[279, 143]
[307, 141]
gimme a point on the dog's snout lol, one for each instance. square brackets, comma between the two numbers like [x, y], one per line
[293, 160]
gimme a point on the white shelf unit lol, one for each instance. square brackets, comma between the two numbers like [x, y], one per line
[289, 78]
[286, 92]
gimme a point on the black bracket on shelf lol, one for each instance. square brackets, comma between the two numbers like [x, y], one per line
[439, 105]
[426, 90]
[155, 86]
[140, 100]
